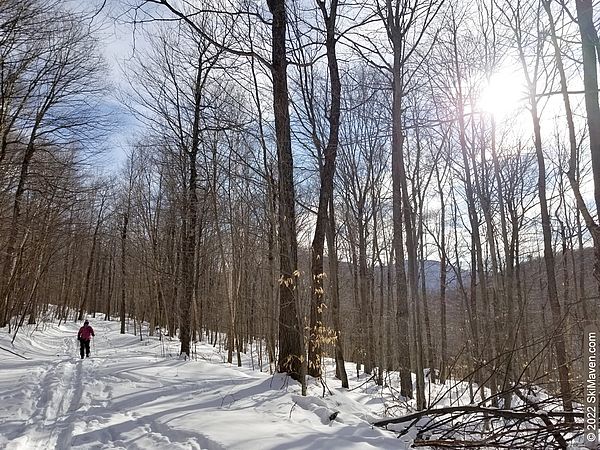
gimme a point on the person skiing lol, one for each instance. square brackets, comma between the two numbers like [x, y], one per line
[85, 334]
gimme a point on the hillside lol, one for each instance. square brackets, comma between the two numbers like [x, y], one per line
[134, 394]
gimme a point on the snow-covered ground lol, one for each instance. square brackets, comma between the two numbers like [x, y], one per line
[129, 395]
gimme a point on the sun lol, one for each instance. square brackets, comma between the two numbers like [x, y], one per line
[502, 94]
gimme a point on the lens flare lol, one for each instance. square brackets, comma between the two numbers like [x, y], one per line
[502, 94]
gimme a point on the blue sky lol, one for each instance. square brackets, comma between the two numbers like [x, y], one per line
[117, 44]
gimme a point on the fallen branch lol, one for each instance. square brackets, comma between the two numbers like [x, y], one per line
[474, 409]
[557, 436]
[454, 444]
[361, 385]
[16, 354]
[442, 428]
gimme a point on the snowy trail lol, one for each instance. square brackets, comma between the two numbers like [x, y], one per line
[51, 390]
[128, 396]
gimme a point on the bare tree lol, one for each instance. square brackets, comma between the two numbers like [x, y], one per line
[401, 20]
[591, 56]
[291, 352]
[55, 74]
[532, 71]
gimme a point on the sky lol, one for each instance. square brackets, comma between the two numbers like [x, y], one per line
[116, 41]
[504, 97]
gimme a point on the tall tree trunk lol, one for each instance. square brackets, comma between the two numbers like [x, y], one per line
[365, 298]
[270, 203]
[188, 244]
[509, 252]
[482, 185]
[340, 367]
[291, 354]
[83, 305]
[443, 275]
[399, 176]
[325, 194]
[123, 269]
[557, 328]
[124, 231]
[402, 315]
[478, 278]
[111, 283]
[589, 41]
[377, 261]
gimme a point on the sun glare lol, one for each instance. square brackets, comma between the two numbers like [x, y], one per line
[502, 94]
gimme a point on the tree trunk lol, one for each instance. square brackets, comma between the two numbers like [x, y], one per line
[589, 41]
[290, 336]
[340, 368]
[188, 244]
[443, 274]
[557, 328]
[402, 314]
[83, 306]
[325, 194]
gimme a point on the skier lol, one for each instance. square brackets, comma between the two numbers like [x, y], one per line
[85, 334]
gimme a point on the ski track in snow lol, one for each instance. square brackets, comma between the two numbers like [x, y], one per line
[58, 389]
[127, 396]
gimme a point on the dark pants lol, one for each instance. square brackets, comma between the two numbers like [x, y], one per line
[85, 348]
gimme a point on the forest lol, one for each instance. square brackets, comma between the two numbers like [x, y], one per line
[410, 185]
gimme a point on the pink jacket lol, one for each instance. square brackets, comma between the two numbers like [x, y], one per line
[85, 332]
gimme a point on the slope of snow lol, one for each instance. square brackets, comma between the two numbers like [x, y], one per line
[128, 396]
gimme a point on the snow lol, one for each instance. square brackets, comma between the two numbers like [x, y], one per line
[134, 394]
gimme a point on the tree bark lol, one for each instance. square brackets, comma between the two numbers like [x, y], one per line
[402, 315]
[291, 354]
[83, 306]
[558, 336]
[591, 53]
[325, 193]
[340, 367]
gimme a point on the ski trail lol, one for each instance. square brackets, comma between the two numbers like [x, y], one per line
[70, 403]
[67, 424]
[59, 392]
[129, 395]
